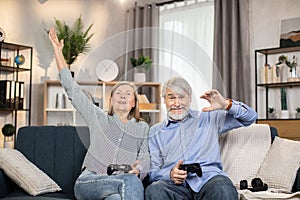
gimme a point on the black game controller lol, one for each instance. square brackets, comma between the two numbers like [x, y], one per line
[192, 168]
[118, 167]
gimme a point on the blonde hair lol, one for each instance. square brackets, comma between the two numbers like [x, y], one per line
[135, 111]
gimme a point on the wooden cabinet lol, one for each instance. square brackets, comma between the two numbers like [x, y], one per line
[99, 93]
[16, 84]
[267, 92]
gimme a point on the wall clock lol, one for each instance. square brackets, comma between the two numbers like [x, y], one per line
[107, 70]
[2, 35]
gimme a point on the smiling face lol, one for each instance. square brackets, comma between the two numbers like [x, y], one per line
[177, 104]
[177, 94]
[123, 99]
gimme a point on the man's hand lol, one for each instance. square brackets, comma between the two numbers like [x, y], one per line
[135, 170]
[216, 100]
[178, 176]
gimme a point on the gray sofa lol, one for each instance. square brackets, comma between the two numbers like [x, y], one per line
[59, 151]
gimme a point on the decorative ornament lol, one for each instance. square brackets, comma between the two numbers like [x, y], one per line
[19, 59]
[2, 35]
[107, 70]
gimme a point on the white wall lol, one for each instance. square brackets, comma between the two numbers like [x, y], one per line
[265, 17]
[24, 22]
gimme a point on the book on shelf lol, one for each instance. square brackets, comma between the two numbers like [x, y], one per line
[19, 98]
[142, 98]
[5, 61]
[11, 94]
[145, 104]
[5, 93]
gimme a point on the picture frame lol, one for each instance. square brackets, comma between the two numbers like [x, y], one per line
[290, 32]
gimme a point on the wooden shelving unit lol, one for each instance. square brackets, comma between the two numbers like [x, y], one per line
[287, 128]
[16, 73]
[100, 91]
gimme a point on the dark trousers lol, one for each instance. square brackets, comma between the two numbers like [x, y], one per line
[218, 188]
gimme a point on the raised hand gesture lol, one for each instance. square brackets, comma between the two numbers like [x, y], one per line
[216, 100]
[57, 47]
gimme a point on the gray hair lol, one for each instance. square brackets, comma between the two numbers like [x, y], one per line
[178, 85]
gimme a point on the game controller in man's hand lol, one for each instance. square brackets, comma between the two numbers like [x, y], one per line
[118, 167]
[192, 168]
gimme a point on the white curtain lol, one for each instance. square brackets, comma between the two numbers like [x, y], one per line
[186, 45]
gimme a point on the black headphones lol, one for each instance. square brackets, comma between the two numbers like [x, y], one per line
[256, 183]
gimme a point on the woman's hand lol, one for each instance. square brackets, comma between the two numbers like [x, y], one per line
[178, 176]
[57, 47]
[135, 170]
[216, 100]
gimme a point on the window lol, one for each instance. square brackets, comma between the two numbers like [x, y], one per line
[186, 45]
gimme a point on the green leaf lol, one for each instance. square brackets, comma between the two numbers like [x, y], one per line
[142, 62]
[75, 38]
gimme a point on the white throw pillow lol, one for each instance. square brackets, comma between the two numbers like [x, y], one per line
[25, 174]
[243, 150]
[279, 169]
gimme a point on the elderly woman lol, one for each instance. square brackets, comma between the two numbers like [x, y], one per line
[116, 137]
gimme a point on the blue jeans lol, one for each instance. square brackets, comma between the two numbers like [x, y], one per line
[218, 188]
[90, 185]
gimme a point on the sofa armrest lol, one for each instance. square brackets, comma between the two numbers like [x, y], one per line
[296, 186]
[5, 184]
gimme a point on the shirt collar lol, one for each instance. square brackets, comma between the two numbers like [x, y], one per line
[170, 121]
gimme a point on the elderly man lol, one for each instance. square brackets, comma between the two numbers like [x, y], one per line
[184, 149]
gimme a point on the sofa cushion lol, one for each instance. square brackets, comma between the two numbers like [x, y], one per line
[241, 159]
[57, 150]
[26, 174]
[281, 164]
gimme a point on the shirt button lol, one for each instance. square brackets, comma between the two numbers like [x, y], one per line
[120, 139]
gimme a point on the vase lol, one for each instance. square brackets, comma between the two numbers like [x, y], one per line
[293, 76]
[60, 102]
[293, 72]
[139, 75]
[284, 72]
[8, 142]
[297, 115]
[284, 114]
[271, 116]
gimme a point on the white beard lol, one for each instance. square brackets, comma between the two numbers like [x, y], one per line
[177, 117]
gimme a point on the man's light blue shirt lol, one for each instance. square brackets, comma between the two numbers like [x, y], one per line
[194, 140]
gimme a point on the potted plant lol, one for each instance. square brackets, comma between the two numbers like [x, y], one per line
[284, 110]
[298, 112]
[142, 64]
[271, 113]
[290, 64]
[75, 39]
[8, 130]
